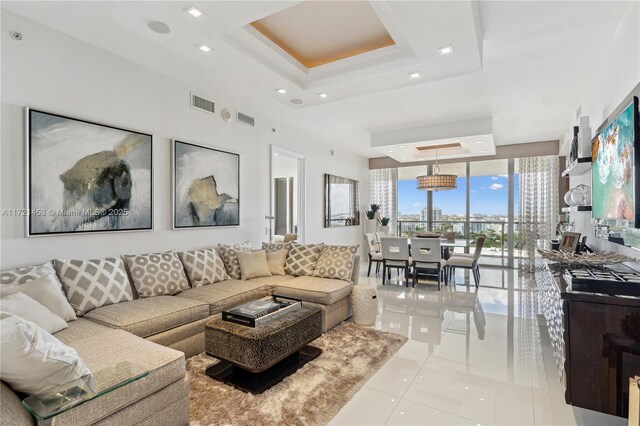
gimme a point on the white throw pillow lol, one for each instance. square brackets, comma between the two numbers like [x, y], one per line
[47, 291]
[23, 306]
[33, 360]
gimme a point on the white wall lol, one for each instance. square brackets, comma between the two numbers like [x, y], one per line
[619, 74]
[53, 72]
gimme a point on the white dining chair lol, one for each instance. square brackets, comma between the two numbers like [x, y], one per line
[395, 254]
[466, 262]
[374, 252]
[426, 255]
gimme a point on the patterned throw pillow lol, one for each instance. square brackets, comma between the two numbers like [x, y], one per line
[25, 274]
[273, 247]
[230, 256]
[336, 262]
[203, 267]
[302, 259]
[157, 274]
[90, 284]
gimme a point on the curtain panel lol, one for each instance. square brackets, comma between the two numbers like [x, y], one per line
[539, 179]
[383, 190]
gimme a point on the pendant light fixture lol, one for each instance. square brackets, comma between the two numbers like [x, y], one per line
[436, 181]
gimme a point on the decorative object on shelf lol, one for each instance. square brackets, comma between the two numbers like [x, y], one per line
[384, 225]
[341, 201]
[206, 186]
[570, 241]
[372, 218]
[436, 181]
[583, 259]
[614, 177]
[581, 195]
[567, 199]
[86, 177]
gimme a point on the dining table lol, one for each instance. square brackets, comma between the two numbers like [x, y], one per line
[446, 245]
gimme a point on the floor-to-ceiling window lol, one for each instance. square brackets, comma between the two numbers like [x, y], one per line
[450, 207]
[412, 202]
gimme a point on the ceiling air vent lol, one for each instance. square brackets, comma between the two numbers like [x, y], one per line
[203, 104]
[245, 119]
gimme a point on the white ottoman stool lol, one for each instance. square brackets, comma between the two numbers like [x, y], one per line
[364, 302]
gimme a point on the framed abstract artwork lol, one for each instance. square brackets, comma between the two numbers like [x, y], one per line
[206, 186]
[86, 177]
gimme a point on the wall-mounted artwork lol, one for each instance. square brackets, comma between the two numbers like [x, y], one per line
[341, 201]
[86, 177]
[206, 186]
[615, 153]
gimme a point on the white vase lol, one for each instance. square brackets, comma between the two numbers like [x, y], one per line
[384, 229]
[371, 226]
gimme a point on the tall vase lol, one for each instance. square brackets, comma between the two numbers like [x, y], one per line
[371, 226]
[384, 229]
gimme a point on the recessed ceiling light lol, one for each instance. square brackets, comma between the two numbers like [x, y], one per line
[482, 151]
[323, 95]
[401, 146]
[283, 91]
[205, 48]
[390, 150]
[415, 74]
[446, 50]
[457, 141]
[478, 141]
[404, 158]
[194, 11]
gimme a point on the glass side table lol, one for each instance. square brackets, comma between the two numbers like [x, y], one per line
[46, 405]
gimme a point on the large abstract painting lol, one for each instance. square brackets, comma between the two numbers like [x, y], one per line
[613, 175]
[206, 184]
[86, 177]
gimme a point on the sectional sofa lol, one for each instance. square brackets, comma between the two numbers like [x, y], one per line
[158, 333]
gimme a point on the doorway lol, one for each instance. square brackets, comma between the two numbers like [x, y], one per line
[287, 194]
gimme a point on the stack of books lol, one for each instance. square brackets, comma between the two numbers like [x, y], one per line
[261, 311]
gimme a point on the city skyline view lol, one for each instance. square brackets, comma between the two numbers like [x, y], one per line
[488, 196]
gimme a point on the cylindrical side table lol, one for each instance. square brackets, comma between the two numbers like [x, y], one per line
[364, 302]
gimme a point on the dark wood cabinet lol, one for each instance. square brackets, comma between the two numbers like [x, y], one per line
[600, 342]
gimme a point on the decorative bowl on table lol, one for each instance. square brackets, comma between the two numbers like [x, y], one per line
[583, 259]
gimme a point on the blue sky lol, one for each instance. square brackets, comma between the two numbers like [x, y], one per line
[488, 196]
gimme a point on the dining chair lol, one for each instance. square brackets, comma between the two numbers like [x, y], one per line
[449, 235]
[374, 252]
[426, 255]
[466, 262]
[395, 254]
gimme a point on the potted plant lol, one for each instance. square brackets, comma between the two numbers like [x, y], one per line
[372, 218]
[384, 225]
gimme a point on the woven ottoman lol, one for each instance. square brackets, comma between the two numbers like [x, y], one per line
[254, 359]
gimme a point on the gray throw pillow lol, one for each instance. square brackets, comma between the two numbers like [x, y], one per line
[157, 274]
[336, 262]
[302, 259]
[203, 267]
[93, 283]
[230, 256]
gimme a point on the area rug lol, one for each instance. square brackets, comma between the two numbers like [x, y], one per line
[311, 396]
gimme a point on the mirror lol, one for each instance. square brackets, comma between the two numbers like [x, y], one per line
[286, 200]
[341, 200]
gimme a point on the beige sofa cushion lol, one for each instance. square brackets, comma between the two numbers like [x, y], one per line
[227, 294]
[145, 317]
[165, 366]
[11, 410]
[276, 260]
[313, 289]
[80, 329]
[272, 280]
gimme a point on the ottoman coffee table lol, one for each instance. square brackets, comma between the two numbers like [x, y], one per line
[254, 359]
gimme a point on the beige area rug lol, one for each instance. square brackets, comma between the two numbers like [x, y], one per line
[311, 396]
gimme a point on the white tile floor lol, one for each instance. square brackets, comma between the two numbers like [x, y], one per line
[474, 357]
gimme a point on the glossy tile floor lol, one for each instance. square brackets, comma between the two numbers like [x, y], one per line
[474, 357]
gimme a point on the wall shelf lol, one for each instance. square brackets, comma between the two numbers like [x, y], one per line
[578, 167]
[576, 209]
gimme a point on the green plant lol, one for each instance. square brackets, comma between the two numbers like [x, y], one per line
[371, 214]
[385, 221]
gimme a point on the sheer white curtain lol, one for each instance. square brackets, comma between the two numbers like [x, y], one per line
[383, 190]
[538, 204]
